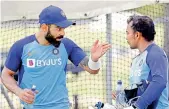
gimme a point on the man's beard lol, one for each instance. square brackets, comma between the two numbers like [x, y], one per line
[52, 40]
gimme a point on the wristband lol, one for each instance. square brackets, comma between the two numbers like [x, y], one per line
[94, 65]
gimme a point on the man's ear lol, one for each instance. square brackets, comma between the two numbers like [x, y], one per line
[138, 34]
[44, 27]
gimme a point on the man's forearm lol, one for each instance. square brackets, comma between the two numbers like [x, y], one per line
[84, 65]
[10, 83]
[153, 92]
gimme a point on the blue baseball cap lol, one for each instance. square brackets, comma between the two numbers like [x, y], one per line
[54, 15]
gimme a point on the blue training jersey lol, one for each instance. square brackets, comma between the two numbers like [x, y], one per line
[45, 67]
[151, 65]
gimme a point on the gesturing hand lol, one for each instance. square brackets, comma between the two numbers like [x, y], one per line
[98, 50]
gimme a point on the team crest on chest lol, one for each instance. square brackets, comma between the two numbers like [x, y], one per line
[55, 51]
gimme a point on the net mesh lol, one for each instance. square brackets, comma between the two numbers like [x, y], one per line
[84, 88]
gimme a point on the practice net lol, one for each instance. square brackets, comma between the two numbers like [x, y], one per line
[86, 89]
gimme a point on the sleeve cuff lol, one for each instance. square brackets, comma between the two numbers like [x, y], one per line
[140, 104]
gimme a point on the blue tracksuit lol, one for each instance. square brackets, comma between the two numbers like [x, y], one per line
[153, 61]
[45, 67]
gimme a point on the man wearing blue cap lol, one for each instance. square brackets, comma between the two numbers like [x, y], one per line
[41, 60]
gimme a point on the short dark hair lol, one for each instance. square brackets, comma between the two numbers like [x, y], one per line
[144, 25]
